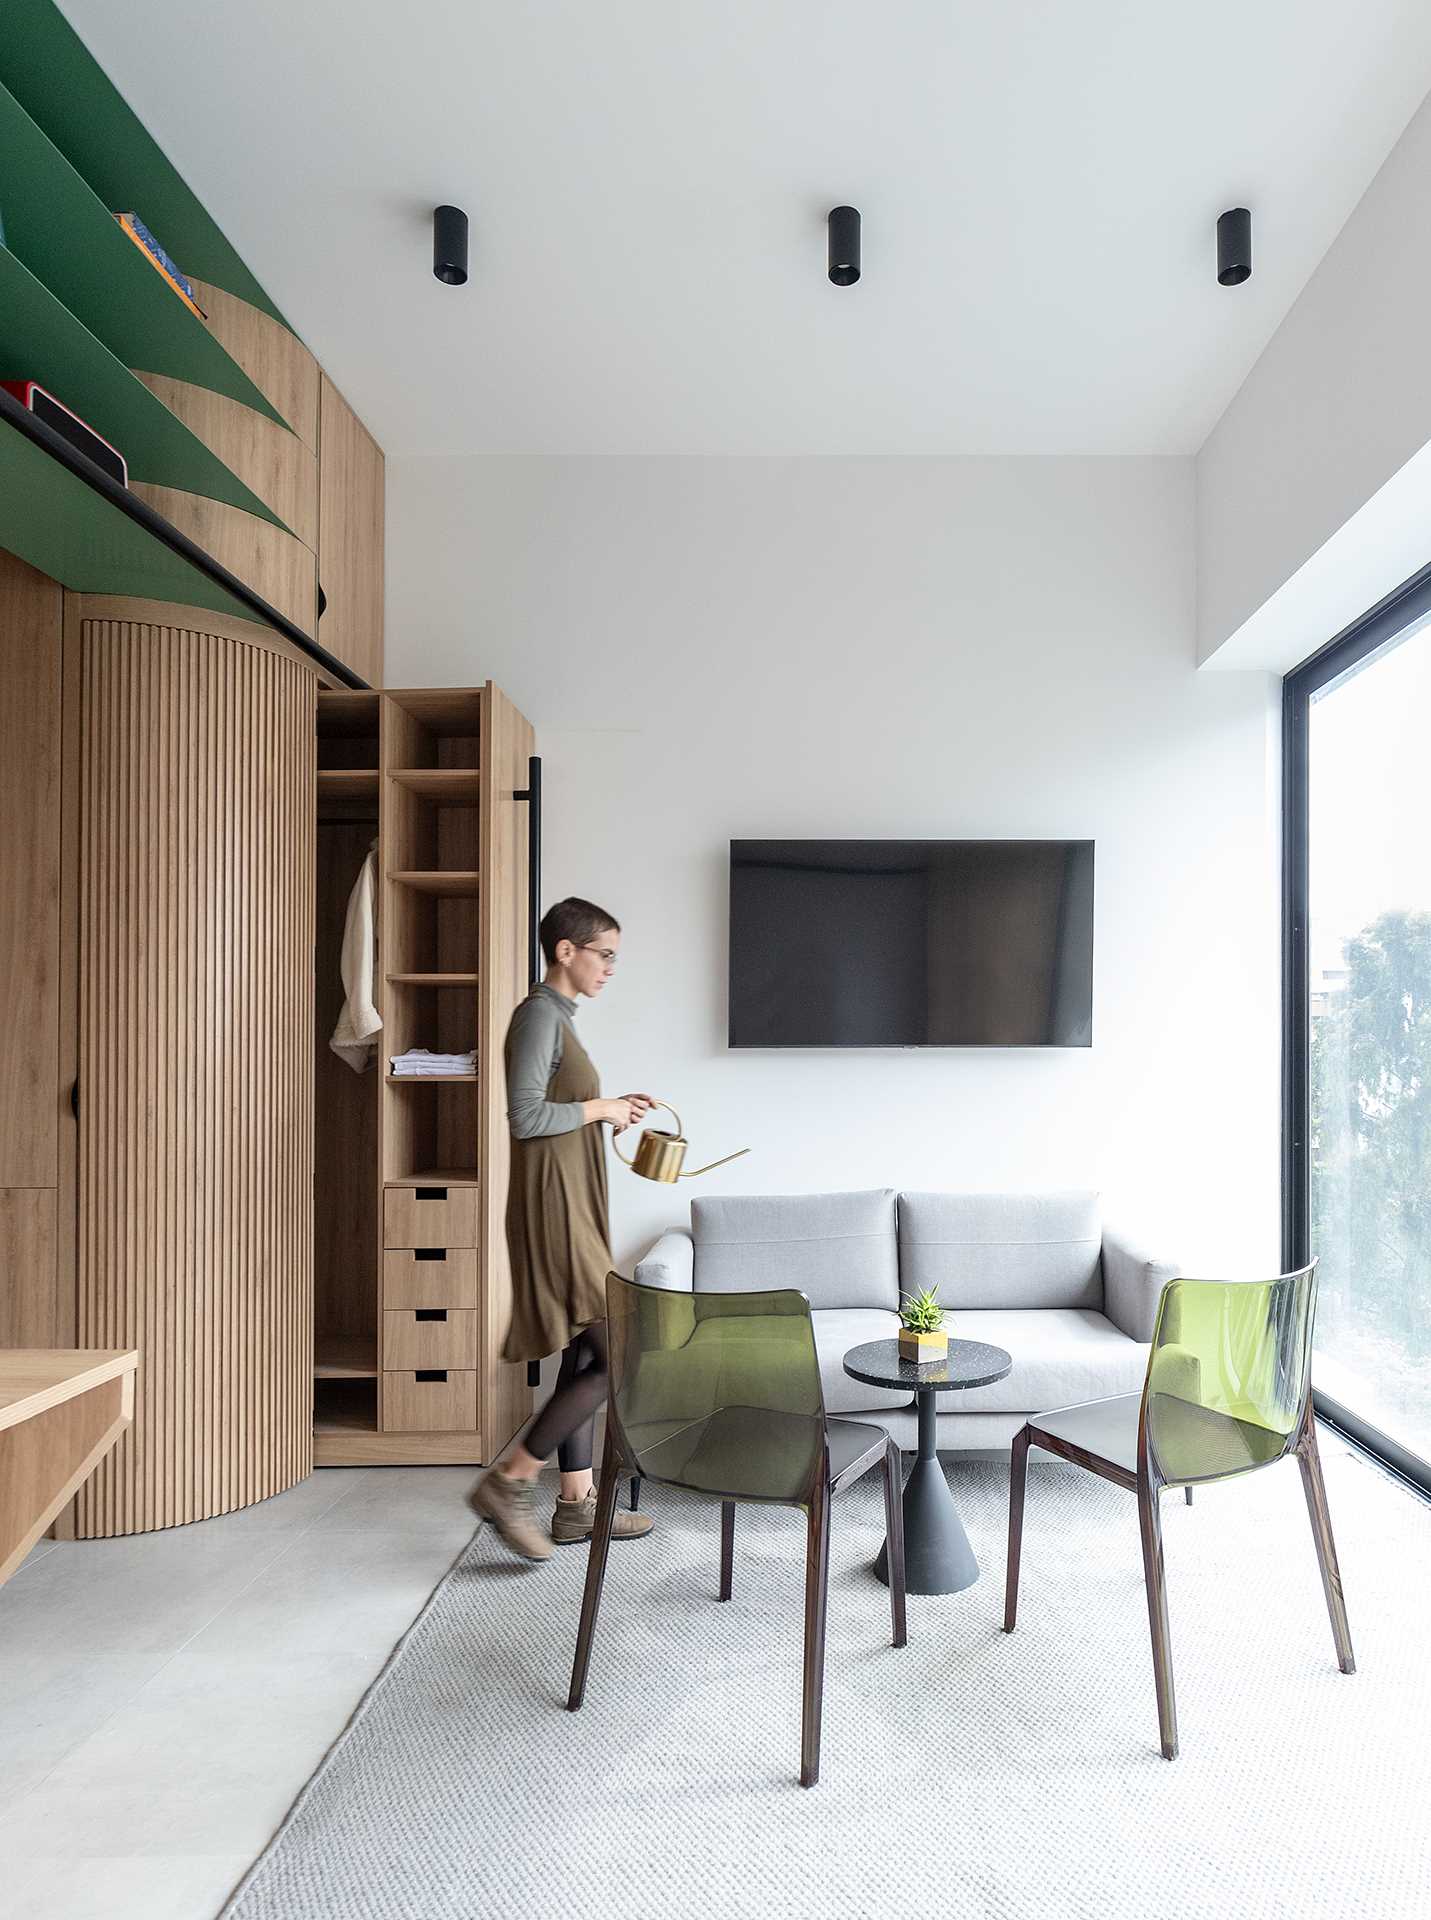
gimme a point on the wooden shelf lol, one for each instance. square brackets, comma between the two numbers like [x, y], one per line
[436, 1177]
[70, 240]
[442, 710]
[431, 979]
[346, 713]
[462, 785]
[347, 1409]
[348, 780]
[40, 336]
[431, 1079]
[345, 1357]
[451, 886]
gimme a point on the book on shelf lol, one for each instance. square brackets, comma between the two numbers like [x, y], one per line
[131, 224]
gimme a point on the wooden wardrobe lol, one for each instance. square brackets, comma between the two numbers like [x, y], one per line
[412, 1286]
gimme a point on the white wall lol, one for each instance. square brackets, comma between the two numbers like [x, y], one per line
[1337, 406]
[716, 648]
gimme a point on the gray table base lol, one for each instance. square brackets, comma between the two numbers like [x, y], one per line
[937, 1554]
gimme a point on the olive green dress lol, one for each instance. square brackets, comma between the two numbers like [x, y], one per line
[557, 1232]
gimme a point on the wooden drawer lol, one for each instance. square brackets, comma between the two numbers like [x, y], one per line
[430, 1217]
[442, 1402]
[430, 1337]
[431, 1277]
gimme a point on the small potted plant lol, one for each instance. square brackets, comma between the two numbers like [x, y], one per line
[922, 1334]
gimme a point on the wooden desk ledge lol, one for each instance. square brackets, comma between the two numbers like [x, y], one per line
[61, 1410]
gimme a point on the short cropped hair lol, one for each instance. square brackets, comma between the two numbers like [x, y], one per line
[576, 920]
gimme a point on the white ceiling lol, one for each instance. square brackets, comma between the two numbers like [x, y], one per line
[648, 179]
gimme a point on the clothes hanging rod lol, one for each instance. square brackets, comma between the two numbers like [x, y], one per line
[168, 535]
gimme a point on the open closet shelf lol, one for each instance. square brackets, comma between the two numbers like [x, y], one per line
[70, 240]
[443, 710]
[344, 712]
[460, 784]
[431, 1079]
[432, 979]
[453, 886]
[42, 340]
[340, 1356]
[435, 1177]
[348, 1407]
[348, 780]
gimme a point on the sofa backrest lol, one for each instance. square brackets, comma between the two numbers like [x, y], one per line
[837, 1248]
[1003, 1249]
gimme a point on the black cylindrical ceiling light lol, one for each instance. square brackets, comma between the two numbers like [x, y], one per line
[1234, 247]
[844, 224]
[449, 245]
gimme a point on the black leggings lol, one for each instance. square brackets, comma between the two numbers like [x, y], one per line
[568, 1420]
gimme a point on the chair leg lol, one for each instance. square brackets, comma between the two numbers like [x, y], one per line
[1018, 1482]
[1154, 1579]
[635, 1491]
[817, 1585]
[595, 1574]
[1310, 1461]
[727, 1547]
[894, 1543]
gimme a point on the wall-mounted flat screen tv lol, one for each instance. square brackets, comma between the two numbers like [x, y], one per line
[911, 943]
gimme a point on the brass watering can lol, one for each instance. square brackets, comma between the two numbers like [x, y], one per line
[659, 1155]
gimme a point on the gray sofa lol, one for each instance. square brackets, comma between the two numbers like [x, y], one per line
[1038, 1273]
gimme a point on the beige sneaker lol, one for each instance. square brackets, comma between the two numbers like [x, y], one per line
[509, 1504]
[574, 1520]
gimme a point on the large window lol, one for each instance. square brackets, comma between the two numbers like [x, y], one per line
[1358, 824]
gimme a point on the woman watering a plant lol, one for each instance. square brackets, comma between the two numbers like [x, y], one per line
[557, 1233]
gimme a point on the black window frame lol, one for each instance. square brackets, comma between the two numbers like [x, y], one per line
[1410, 602]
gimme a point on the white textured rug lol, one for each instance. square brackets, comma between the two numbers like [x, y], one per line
[972, 1774]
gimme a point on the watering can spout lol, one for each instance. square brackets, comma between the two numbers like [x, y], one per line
[661, 1156]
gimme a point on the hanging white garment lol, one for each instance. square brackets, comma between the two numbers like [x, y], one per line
[355, 1036]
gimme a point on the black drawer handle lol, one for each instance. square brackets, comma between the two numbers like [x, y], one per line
[430, 1193]
[429, 1253]
[430, 1313]
[435, 1374]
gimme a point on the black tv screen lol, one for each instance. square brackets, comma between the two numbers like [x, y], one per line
[911, 943]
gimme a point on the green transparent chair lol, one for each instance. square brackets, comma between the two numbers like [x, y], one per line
[719, 1393]
[1228, 1390]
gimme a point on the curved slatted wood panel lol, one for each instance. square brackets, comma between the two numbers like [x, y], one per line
[197, 811]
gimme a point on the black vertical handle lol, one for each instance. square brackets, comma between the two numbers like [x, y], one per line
[532, 794]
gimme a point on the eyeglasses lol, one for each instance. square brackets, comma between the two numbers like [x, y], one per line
[608, 954]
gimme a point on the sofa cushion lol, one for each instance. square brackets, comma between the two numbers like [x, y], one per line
[837, 1248]
[836, 1331]
[1061, 1355]
[1022, 1250]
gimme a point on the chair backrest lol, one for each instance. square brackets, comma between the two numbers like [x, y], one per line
[1229, 1375]
[719, 1392]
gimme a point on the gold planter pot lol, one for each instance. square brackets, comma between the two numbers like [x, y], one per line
[923, 1346]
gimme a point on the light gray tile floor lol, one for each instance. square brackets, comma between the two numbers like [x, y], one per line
[163, 1698]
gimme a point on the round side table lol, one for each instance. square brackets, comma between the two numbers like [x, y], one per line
[937, 1554]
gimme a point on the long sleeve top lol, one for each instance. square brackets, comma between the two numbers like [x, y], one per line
[533, 1051]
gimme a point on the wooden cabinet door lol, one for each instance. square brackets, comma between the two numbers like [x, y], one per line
[350, 536]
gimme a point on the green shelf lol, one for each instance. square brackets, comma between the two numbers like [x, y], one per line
[40, 339]
[65, 91]
[64, 528]
[71, 242]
